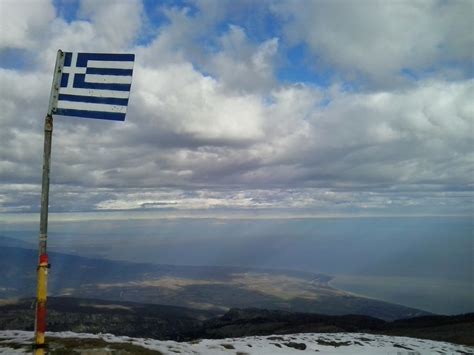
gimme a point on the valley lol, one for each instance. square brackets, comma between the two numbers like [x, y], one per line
[216, 289]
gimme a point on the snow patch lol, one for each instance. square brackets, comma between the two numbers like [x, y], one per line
[324, 343]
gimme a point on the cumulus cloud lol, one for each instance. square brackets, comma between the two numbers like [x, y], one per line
[241, 66]
[379, 40]
[23, 23]
[214, 129]
[118, 22]
[179, 99]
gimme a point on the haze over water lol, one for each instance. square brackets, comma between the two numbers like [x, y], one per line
[423, 262]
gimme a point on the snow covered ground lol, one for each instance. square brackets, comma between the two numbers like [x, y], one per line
[333, 343]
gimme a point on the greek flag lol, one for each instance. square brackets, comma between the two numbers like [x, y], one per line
[95, 85]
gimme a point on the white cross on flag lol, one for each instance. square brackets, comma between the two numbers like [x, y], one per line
[95, 85]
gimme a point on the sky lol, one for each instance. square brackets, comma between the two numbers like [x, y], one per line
[247, 108]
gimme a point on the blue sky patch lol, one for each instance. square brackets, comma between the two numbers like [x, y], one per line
[297, 67]
[16, 59]
[67, 9]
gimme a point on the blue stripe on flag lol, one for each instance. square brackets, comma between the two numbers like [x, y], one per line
[67, 59]
[113, 116]
[93, 99]
[107, 71]
[82, 58]
[64, 79]
[79, 82]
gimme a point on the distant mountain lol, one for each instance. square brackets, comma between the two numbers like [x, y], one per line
[237, 322]
[200, 287]
[12, 242]
[177, 323]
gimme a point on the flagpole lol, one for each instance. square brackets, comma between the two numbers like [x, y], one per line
[113, 108]
[43, 263]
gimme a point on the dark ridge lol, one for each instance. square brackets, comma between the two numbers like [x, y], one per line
[180, 323]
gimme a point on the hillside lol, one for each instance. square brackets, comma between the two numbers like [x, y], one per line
[201, 287]
[178, 323]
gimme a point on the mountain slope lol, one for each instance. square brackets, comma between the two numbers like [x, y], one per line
[178, 323]
[201, 287]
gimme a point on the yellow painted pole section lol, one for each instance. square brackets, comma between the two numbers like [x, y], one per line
[41, 304]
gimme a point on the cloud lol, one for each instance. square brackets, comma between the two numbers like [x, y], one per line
[179, 99]
[117, 22]
[405, 136]
[241, 66]
[24, 22]
[214, 129]
[379, 41]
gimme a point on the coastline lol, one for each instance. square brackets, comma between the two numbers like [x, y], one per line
[444, 297]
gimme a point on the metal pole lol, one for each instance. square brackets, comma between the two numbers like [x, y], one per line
[43, 265]
[43, 262]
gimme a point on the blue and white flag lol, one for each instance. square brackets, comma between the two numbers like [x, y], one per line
[95, 85]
